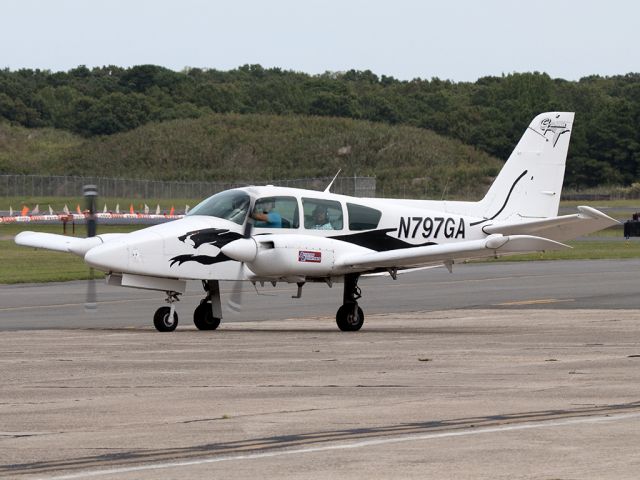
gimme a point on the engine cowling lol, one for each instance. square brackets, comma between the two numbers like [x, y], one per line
[284, 255]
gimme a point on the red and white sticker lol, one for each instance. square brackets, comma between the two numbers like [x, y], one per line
[306, 256]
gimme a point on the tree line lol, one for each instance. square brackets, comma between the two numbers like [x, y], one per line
[489, 114]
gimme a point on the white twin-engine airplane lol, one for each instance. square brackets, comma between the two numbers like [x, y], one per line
[273, 234]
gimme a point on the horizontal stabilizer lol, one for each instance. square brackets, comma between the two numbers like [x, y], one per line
[561, 229]
[432, 254]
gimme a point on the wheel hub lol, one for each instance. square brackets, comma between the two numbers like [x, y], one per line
[168, 321]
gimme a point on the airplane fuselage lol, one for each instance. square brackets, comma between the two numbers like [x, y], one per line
[191, 248]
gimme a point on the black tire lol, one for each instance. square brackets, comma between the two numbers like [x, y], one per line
[162, 322]
[347, 321]
[203, 317]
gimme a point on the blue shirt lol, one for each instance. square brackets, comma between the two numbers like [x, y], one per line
[274, 221]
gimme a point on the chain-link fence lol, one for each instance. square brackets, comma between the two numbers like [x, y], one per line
[71, 186]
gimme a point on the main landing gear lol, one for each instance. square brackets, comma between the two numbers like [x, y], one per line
[206, 316]
[350, 316]
[208, 313]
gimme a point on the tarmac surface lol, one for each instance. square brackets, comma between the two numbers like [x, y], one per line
[497, 371]
[601, 284]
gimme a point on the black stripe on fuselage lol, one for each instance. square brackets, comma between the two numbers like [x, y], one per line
[378, 240]
[505, 201]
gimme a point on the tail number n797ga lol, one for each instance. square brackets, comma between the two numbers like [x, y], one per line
[431, 227]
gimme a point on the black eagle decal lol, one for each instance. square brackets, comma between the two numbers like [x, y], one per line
[213, 236]
[203, 259]
[217, 237]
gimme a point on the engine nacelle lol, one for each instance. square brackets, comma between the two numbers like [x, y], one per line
[293, 255]
[288, 255]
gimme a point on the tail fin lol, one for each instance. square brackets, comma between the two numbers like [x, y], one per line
[530, 182]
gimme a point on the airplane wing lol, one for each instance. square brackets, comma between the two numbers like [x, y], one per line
[62, 243]
[432, 254]
[557, 228]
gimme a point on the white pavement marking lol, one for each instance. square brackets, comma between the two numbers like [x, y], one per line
[540, 301]
[346, 446]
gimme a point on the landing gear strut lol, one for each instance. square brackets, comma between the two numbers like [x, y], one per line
[166, 318]
[350, 316]
[208, 314]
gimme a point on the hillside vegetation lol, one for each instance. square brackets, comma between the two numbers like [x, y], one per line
[405, 160]
[489, 114]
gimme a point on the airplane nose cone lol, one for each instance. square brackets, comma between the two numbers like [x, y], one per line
[241, 250]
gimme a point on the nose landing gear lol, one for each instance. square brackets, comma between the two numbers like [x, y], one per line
[166, 319]
[350, 317]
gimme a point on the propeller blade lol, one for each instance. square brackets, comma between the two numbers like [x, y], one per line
[91, 200]
[248, 228]
[91, 300]
[235, 300]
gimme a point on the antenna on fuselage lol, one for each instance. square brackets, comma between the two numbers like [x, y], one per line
[326, 190]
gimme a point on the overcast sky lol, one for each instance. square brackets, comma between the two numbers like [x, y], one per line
[460, 40]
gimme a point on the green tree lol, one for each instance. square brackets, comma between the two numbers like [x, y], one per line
[114, 113]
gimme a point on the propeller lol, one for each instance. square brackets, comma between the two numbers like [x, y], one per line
[235, 300]
[91, 199]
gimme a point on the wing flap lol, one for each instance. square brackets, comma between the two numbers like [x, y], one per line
[432, 254]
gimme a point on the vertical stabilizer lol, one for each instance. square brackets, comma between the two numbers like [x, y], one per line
[530, 183]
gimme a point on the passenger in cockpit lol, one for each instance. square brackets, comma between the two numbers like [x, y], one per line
[321, 219]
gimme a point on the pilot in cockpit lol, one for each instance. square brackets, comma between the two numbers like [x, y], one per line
[265, 214]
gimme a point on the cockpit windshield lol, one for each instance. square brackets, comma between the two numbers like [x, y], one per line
[230, 205]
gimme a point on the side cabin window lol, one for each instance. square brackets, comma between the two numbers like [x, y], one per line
[230, 205]
[322, 214]
[276, 212]
[363, 218]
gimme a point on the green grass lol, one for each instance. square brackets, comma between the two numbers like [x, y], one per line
[611, 232]
[603, 203]
[26, 265]
[584, 250]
